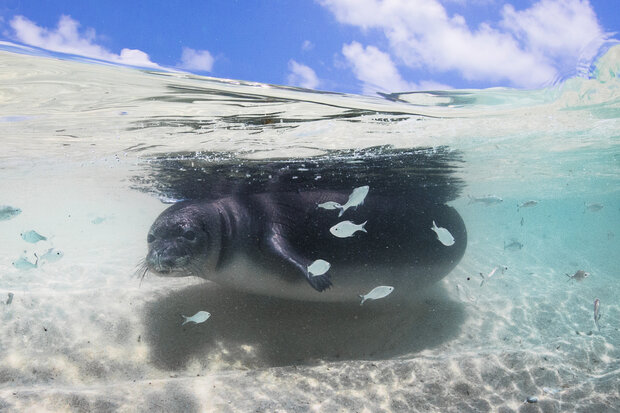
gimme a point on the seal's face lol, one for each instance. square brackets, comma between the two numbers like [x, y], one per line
[176, 241]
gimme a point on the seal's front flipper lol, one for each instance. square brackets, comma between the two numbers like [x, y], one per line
[280, 247]
[319, 282]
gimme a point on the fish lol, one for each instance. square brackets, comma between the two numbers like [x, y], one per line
[489, 275]
[487, 199]
[23, 263]
[199, 317]
[443, 235]
[580, 275]
[32, 236]
[355, 199]
[593, 207]
[318, 267]
[527, 204]
[330, 205]
[376, 293]
[7, 212]
[52, 255]
[346, 229]
[513, 246]
[550, 390]
[597, 316]
[10, 299]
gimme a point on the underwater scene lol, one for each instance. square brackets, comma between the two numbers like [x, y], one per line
[172, 242]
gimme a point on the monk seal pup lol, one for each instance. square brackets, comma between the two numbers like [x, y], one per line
[264, 244]
[269, 226]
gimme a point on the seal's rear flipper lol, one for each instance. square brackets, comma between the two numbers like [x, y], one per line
[278, 246]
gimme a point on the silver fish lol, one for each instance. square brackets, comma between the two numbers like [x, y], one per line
[8, 212]
[443, 235]
[593, 207]
[527, 204]
[346, 229]
[23, 263]
[487, 199]
[376, 293]
[580, 275]
[199, 317]
[32, 236]
[489, 275]
[318, 267]
[355, 199]
[52, 255]
[330, 205]
[597, 316]
[513, 246]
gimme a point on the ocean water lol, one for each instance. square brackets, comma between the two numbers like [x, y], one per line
[80, 329]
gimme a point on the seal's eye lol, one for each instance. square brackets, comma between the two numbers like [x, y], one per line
[150, 238]
[189, 235]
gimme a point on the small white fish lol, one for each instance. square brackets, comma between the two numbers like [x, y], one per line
[376, 293]
[443, 235]
[489, 275]
[593, 207]
[597, 316]
[487, 199]
[32, 236]
[330, 205]
[527, 204]
[52, 255]
[23, 263]
[346, 229]
[318, 267]
[580, 275]
[199, 317]
[513, 246]
[355, 199]
[8, 212]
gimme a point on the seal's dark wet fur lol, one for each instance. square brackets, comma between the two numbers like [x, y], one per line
[267, 213]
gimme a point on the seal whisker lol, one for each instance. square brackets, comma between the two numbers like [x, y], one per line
[141, 269]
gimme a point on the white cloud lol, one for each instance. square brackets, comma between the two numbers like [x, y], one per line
[378, 73]
[302, 75]
[66, 38]
[200, 60]
[374, 69]
[307, 45]
[572, 26]
[525, 49]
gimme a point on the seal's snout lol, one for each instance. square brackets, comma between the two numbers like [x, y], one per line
[162, 260]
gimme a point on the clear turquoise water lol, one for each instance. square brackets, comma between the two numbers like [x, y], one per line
[83, 333]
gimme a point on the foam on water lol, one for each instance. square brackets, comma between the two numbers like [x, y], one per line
[83, 333]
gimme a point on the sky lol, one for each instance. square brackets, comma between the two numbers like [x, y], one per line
[350, 46]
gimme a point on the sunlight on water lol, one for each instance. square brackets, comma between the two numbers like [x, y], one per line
[92, 154]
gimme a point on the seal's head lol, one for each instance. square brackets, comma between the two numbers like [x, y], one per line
[179, 240]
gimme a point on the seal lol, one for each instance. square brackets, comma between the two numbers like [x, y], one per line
[264, 243]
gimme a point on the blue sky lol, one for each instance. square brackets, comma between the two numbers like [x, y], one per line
[353, 46]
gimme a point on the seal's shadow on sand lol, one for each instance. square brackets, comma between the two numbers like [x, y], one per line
[257, 331]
